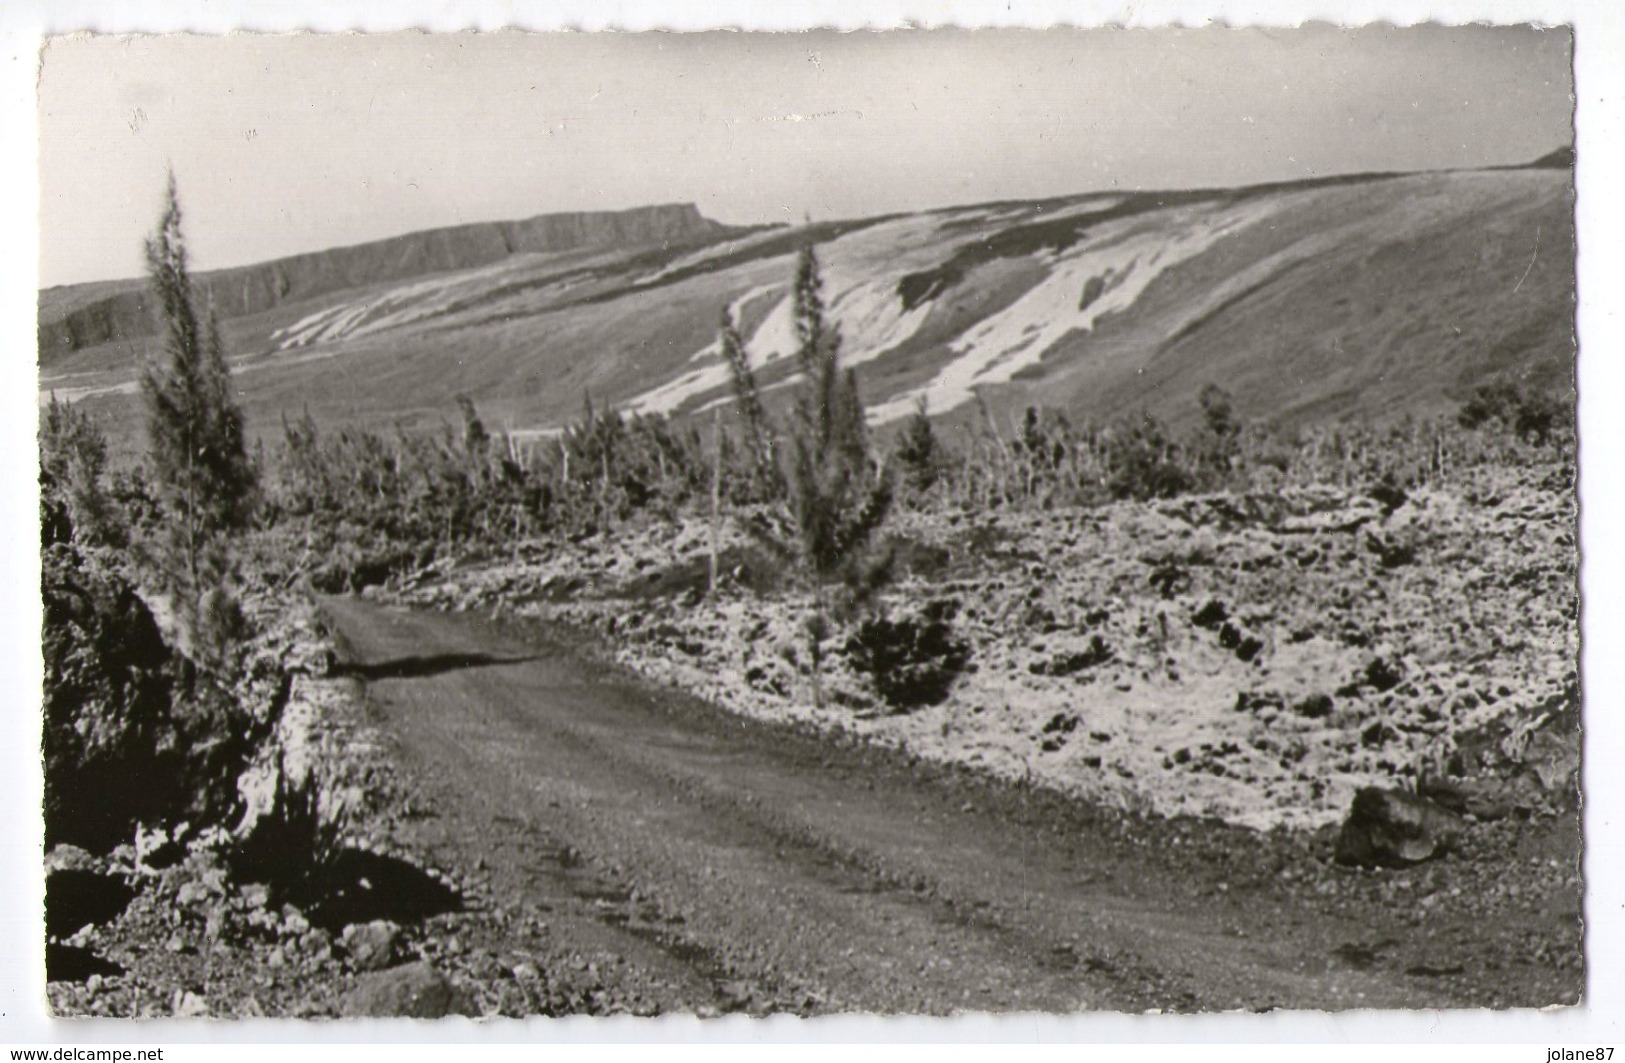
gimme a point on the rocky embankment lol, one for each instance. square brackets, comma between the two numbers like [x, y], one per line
[323, 901]
[1254, 659]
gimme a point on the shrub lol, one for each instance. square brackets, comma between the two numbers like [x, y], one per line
[1146, 463]
[111, 756]
[109, 743]
[1531, 416]
[918, 452]
[73, 457]
[757, 476]
[1221, 444]
[913, 660]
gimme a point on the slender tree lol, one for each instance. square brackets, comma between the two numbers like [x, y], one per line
[205, 483]
[836, 497]
[762, 469]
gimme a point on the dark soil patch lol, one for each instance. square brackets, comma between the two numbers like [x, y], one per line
[69, 963]
[78, 898]
[419, 667]
[359, 886]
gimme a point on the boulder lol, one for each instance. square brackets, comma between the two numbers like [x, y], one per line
[414, 991]
[68, 858]
[371, 945]
[190, 1005]
[1390, 828]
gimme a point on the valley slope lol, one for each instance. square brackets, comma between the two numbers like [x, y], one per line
[1359, 296]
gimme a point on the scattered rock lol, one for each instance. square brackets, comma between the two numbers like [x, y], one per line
[1096, 653]
[414, 990]
[193, 892]
[315, 944]
[371, 946]
[1389, 828]
[190, 1005]
[1315, 706]
[155, 848]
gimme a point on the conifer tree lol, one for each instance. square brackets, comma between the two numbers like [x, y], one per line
[762, 470]
[205, 483]
[917, 450]
[836, 498]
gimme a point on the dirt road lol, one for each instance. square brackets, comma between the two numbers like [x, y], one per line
[726, 862]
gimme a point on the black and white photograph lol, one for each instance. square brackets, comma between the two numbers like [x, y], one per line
[919, 522]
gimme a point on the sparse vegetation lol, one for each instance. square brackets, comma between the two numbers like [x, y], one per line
[1531, 415]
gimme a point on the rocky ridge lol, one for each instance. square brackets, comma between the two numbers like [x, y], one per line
[86, 315]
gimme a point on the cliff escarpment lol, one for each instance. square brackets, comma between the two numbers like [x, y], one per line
[84, 315]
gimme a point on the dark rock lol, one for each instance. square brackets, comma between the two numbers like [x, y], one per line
[1389, 828]
[1392, 553]
[1315, 706]
[1388, 494]
[1482, 797]
[1169, 579]
[1378, 735]
[1098, 652]
[1358, 955]
[1210, 615]
[1061, 723]
[414, 991]
[1257, 701]
[1382, 676]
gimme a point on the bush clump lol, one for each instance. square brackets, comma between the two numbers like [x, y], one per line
[1532, 416]
[110, 760]
[913, 660]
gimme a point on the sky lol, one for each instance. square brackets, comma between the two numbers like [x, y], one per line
[290, 143]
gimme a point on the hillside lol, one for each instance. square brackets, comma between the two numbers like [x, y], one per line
[1368, 295]
[85, 315]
